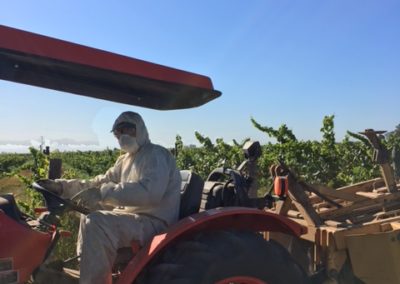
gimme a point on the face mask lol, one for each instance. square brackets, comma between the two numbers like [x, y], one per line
[128, 143]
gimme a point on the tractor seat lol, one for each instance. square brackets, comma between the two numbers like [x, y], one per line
[191, 191]
[10, 208]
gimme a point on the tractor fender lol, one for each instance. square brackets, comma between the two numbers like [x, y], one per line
[227, 218]
[22, 249]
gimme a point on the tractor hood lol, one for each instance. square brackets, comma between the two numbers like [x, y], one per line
[42, 61]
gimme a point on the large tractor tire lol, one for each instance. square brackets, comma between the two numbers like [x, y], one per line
[225, 258]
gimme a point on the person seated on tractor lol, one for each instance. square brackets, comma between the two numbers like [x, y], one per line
[143, 188]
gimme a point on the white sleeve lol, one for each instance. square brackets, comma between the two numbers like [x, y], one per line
[150, 187]
[73, 186]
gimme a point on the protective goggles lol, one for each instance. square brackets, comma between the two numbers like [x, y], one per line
[124, 128]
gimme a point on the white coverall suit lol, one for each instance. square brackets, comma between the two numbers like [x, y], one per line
[145, 189]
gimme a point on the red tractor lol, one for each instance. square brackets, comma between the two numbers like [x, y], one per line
[218, 238]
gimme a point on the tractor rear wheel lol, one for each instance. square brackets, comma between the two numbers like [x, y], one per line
[224, 257]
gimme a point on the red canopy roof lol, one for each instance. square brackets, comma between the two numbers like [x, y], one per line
[64, 66]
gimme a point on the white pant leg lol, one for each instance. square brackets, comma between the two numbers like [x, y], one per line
[82, 222]
[102, 233]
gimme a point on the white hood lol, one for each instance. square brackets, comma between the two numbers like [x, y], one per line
[142, 135]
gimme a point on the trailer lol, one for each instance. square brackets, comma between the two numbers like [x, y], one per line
[353, 232]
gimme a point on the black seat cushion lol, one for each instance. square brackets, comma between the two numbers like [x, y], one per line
[191, 191]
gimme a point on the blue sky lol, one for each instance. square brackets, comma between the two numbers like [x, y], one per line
[289, 62]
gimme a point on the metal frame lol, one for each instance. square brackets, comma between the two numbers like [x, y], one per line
[64, 66]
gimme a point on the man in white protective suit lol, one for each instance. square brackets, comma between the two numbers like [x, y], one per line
[143, 187]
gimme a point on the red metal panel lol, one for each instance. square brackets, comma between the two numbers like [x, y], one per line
[211, 220]
[39, 45]
[42, 61]
[25, 247]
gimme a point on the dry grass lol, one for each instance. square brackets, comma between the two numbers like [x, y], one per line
[13, 185]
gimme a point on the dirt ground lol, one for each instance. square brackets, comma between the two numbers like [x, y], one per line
[12, 185]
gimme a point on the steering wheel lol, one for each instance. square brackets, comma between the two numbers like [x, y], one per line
[57, 204]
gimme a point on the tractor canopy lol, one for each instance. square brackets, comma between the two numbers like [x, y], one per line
[64, 66]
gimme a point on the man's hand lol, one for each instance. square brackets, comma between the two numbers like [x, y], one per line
[106, 188]
[51, 185]
[89, 198]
